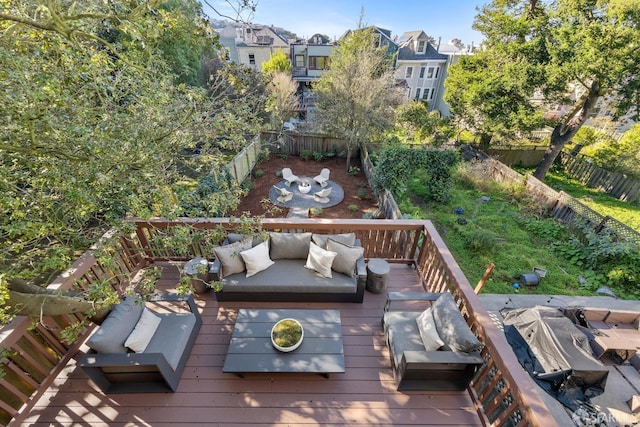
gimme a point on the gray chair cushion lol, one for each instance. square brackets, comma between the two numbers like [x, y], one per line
[345, 261]
[172, 336]
[289, 245]
[402, 333]
[116, 328]
[452, 327]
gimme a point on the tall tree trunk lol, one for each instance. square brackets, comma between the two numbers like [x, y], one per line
[567, 128]
[485, 140]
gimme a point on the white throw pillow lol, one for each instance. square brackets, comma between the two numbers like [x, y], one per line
[257, 259]
[141, 335]
[428, 331]
[320, 260]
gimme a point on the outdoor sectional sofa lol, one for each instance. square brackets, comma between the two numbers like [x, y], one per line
[291, 267]
[137, 350]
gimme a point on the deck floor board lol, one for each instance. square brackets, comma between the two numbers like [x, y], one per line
[363, 395]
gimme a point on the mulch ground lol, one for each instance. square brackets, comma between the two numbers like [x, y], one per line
[358, 197]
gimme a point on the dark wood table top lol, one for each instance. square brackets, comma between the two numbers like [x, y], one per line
[321, 351]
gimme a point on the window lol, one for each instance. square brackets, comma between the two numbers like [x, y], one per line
[430, 73]
[437, 71]
[422, 72]
[409, 73]
[418, 93]
[252, 59]
[421, 45]
[299, 60]
[433, 92]
[319, 62]
[425, 93]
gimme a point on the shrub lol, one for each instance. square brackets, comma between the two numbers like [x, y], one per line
[362, 193]
[352, 208]
[283, 156]
[317, 156]
[315, 211]
[306, 155]
[353, 170]
[480, 242]
[258, 173]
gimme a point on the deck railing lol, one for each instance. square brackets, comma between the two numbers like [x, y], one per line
[505, 395]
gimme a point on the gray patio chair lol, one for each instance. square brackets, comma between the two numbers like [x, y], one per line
[322, 196]
[323, 178]
[288, 175]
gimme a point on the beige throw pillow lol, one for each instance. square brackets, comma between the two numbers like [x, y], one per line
[141, 335]
[257, 258]
[320, 260]
[428, 331]
[229, 256]
[345, 261]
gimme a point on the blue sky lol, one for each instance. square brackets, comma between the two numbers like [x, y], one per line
[438, 18]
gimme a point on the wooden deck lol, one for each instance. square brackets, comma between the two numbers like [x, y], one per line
[364, 395]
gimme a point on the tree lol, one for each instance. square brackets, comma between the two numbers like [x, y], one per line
[282, 102]
[553, 49]
[617, 156]
[95, 123]
[357, 96]
[278, 62]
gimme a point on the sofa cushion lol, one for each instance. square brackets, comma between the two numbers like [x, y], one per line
[345, 261]
[111, 335]
[172, 336]
[402, 333]
[289, 245]
[143, 332]
[428, 331]
[452, 327]
[320, 260]
[257, 259]
[229, 256]
[321, 239]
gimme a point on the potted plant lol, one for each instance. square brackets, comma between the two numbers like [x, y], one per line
[287, 335]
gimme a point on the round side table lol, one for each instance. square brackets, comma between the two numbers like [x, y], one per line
[377, 275]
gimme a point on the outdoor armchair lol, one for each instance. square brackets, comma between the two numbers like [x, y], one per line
[284, 194]
[323, 178]
[288, 176]
[322, 196]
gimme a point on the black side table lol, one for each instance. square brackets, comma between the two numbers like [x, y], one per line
[377, 275]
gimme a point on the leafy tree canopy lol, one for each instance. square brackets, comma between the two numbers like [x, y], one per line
[548, 53]
[356, 97]
[278, 62]
[95, 120]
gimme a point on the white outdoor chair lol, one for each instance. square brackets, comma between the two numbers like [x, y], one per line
[284, 194]
[288, 176]
[322, 196]
[323, 178]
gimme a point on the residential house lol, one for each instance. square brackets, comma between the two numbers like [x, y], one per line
[252, 45]
[453, 51]
[421, 67]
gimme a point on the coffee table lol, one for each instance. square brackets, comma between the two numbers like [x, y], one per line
[250, 349]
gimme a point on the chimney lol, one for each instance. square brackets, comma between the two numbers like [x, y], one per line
[439, 40]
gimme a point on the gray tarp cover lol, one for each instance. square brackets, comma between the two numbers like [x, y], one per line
[556, 353]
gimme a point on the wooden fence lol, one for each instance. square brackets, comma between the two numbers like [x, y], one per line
[242, 164]
[615, 184]
[295, 143]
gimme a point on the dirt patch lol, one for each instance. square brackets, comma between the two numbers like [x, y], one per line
[358, 197]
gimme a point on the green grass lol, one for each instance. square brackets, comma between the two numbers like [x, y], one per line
[498, 231]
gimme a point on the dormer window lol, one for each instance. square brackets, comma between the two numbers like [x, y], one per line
[422, 44]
